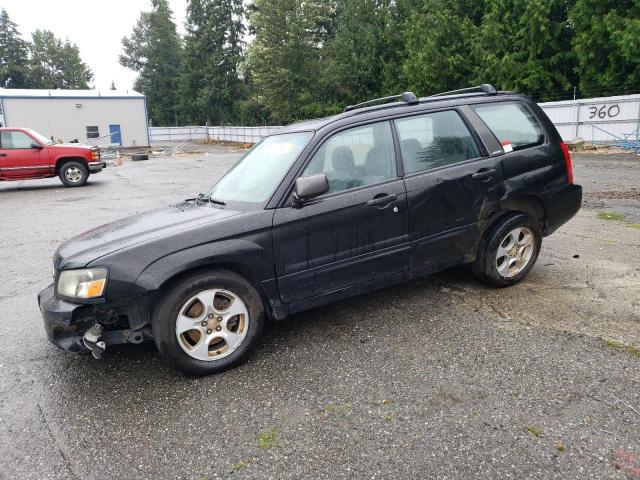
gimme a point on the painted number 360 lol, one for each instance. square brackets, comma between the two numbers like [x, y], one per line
[606, 111]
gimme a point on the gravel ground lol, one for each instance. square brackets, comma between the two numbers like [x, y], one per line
[438, 378]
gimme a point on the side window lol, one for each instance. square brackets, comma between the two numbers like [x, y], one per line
[434, 140]
[15, 140]
[512, 123]
[355, 158]
[93, 132]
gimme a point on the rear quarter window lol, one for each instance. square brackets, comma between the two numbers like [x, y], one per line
[512, 123]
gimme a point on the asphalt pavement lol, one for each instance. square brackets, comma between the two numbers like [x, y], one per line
[441, 377]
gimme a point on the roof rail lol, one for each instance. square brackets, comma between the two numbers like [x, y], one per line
[407, 97]
[484, 88]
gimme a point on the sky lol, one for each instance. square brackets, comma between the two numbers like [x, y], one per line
[96, 27]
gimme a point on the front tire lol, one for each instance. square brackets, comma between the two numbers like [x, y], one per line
[208, 322]
[74, 174]
[509, 251]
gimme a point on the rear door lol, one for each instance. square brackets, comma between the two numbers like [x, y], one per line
[18, 157]
[354, 233]
[450, 181]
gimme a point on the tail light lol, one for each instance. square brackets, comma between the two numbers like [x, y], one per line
[567, 162]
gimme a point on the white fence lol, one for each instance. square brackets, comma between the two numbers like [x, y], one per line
[596, 120]
[229, 134]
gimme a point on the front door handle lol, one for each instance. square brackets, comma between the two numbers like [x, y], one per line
[3, 154]
[484, 174]
[382, 200]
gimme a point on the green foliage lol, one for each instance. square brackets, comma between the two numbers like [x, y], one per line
[354, 57]
[210, 87]
[285, 58]
[607, 45]
[439, 36]
[525, 46]
[55, 64]
[154, 50]
[13, 54]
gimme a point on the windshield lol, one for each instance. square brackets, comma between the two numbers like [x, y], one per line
[259, 172]
[40, 138]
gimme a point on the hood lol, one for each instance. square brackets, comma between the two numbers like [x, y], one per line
[89, 246]
[67, 146]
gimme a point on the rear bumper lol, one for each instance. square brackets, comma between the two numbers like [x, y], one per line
[561, 205]
[95, 167]
[58, 322]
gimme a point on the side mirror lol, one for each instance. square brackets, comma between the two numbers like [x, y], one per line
[309, 187]
[37, 146]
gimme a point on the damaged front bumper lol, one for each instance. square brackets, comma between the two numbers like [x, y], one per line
[58, 318]
[78, 328]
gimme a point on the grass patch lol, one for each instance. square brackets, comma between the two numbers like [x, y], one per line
[268, 440]
[342, 408]
[635, 225]
[622, 347]
[618, 217]
[561, 447]
[535, 431]
[239, 466]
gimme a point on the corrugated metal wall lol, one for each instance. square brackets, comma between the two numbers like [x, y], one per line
[596, 120]
[66, 119]
[229, 134]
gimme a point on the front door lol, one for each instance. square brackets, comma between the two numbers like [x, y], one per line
[449, 183]
[354, 233]
[18, 157]
[116, 135]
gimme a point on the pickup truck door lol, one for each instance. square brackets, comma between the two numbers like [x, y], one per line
[19, 159]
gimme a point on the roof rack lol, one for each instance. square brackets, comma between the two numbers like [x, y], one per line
[484, 88]
[408, 97]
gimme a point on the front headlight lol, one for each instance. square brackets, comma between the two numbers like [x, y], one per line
[85, 283]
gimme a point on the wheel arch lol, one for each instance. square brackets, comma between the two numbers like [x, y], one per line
[244, 258]
[62, 160]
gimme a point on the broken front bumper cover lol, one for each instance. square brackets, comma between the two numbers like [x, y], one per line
[58, 322]
[73, 329]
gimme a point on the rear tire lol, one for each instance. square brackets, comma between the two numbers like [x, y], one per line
[74, 174]
[509, 251]
[208, 322]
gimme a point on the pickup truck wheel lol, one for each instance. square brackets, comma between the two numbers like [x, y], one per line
[509, 251]
[208, 322]
[74, 174]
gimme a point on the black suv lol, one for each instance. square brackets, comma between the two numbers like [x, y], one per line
[321, 211]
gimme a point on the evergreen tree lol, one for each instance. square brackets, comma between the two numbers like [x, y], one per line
[355, 55]
[210, 87]
[13, 54]
[285, 58]
[154, 50]
[54, 64]
[607, 46]
[439, 36]
[525, 46]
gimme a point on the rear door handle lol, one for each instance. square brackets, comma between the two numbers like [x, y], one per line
[3, 154]
[382, 200]
[484, 174]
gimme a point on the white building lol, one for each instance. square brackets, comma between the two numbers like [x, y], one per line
[108, 117]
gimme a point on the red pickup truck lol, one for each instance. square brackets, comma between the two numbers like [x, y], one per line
[26, 154]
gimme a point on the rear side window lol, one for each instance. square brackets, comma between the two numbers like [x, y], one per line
[512, 123]
[434, 140]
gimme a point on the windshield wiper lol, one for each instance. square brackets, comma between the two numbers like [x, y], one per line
[203, 197]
